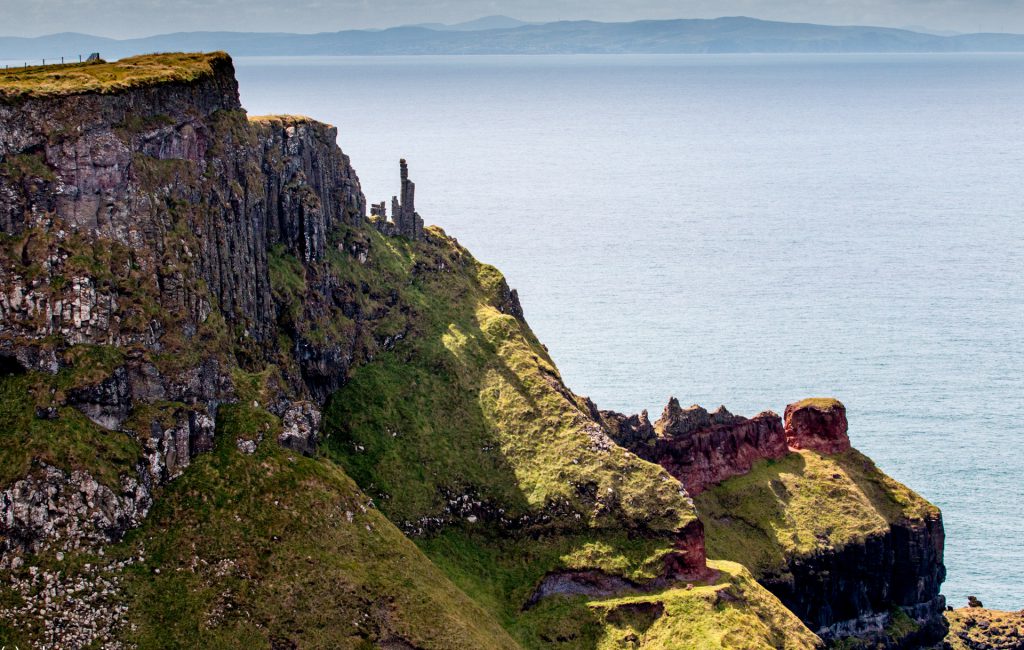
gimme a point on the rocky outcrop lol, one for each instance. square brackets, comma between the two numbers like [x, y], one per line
[80, 609]
[630, 431]
[407, 220]
[976, 628]
[687, 561]
[860, 589]
[594, 584]
[170, 447]
[818, 424]
[700, 448]
[301, 428]
[54, 509]
[107, 403]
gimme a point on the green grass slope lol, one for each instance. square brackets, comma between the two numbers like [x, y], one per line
[467, 438]
[802, 503]
[275, 547]
[471, 409]
[71, 441]
[266, 550]
[732, 612]
[728, 611]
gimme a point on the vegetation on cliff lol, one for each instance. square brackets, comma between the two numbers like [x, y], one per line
[273, 544]
[103, 77]
[195, 291]
[471, 406]
[976, 628]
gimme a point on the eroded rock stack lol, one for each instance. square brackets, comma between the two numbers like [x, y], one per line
[818, 424]
[408, 222]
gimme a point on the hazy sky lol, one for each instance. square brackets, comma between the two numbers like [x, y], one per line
[126, 18]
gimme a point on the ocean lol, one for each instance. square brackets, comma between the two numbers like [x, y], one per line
[745, 230]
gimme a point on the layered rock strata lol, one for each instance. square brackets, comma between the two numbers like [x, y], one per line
[863, 589]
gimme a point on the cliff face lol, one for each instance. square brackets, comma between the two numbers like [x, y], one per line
[866, 589]
[141, 221]
[175, 179]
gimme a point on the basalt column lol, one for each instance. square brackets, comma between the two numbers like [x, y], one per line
[407, 221]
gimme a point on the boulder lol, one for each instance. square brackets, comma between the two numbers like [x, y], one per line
[301, 428]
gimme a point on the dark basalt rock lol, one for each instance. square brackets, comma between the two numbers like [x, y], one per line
[855, 590]
[591, 583]
[53, 509]
[177, 175]
[107, 403]
[301, 427]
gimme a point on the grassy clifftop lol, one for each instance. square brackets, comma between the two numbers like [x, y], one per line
[803, 503]
[103, 77]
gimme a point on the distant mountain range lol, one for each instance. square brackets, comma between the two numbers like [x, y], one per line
[503, 35]
[487, 22]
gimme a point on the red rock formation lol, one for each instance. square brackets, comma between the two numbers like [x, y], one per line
[700, 448]
[689, 559]
[818, 424]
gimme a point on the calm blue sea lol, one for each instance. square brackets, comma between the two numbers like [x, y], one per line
[746, 230]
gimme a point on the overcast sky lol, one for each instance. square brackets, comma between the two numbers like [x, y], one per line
[128, 18]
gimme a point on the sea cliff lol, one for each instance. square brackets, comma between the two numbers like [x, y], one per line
[238, 410]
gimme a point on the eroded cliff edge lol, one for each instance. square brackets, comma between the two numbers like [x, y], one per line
[228, 395]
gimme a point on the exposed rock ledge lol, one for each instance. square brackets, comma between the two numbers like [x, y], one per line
[687, 562]
[700, 448]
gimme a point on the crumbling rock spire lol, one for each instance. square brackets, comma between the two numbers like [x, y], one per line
[407, 221]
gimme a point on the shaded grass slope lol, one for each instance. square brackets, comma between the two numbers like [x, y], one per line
[468, 420]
